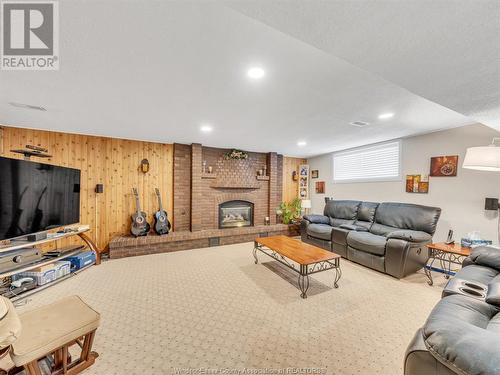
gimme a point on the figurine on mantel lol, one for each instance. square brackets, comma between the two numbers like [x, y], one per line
[204, 164]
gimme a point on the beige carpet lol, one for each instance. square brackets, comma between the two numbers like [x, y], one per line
[212, 309]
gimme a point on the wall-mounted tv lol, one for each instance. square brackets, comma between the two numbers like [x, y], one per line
[36, 197]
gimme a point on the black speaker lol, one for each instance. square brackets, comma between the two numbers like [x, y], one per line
[99, 188]
[491, 204]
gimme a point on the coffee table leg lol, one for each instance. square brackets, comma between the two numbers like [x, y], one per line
[255, 248]
[338, 273]
[303, 281]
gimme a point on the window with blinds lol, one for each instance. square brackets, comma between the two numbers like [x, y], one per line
[380, 162]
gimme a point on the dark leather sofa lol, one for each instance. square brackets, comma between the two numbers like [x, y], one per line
[462, 333]
[388, 237]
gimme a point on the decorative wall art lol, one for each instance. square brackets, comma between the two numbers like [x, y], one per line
[314, 173]
[320, 187]
[416, 183]
[444, 166]
[304, 181]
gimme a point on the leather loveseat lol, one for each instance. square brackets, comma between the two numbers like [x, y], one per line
[388, 237]
[462, 333]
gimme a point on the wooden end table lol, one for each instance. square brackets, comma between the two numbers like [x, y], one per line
[309, 259]
[451, 254]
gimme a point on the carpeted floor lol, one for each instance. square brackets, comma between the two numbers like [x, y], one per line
[212, 309]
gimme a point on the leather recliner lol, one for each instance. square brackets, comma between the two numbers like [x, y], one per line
[462, 333]
[388, 237]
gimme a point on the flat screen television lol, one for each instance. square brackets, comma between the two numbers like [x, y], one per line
[36, 197]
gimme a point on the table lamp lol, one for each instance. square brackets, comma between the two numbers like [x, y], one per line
[306, 205]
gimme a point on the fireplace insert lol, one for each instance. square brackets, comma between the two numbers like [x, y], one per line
[235, 213]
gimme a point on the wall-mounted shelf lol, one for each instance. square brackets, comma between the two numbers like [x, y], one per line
[208, 175]
[263, 178]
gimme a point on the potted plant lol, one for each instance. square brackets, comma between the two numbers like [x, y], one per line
[290, 211]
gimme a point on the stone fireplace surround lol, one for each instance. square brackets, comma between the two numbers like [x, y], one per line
[198, 194]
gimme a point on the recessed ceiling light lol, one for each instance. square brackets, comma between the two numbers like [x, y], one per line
[385, 116]
[206, 128]
[27, 106]
[301, 143]
[256, 73]
[359, 124]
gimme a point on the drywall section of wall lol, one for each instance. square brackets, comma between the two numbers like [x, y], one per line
[461, 198]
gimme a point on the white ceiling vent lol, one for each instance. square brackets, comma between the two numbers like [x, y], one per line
[359, 124]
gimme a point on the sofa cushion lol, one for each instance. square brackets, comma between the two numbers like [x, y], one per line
[339, 235]
[382, 230]
[344, 209]
[317, 219]
[368, 242]
[410, 235]
[338, 222]
[367, 211]
[493, 297]
[322, 231]
[488, 256]
[408, 216]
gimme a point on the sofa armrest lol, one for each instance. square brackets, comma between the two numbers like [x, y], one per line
[457, 324]
[487, 256]
[357, 228]
[403, 258]
[410, 236]
[317, 219]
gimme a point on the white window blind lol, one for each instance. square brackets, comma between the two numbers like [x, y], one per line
[381, 162]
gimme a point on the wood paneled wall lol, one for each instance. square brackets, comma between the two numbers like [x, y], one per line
[109, 161]
[115, 163]
[290, 187]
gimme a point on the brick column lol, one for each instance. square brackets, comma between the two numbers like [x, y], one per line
[279, 191]
[196, 186]
[272, 167]
[182, 187]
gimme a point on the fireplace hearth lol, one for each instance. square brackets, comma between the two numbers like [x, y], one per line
[235, 213]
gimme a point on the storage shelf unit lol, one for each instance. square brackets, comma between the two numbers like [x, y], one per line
[42, 287]
[51, 237]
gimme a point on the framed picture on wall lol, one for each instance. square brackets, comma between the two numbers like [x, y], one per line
[444, 166]
[416, 183]
[314, 173]
[320, 187]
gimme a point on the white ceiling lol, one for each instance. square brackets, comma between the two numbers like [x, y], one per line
[156, 70]
[445, 51]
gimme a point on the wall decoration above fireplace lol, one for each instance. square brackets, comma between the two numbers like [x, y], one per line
[235, 213]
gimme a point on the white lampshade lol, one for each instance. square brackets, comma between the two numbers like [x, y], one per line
[306, 203]
[486, 158]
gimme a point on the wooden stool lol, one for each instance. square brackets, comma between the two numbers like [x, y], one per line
[49, 331]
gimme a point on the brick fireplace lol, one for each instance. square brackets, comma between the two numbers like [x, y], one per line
[208, 187]
[229, 180]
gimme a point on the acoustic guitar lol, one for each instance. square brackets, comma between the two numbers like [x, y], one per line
[140, 226]
[162, 225]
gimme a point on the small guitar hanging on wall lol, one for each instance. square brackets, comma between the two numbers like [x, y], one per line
[162, 225]
[140, 226]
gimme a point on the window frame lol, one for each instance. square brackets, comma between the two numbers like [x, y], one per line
[354, 150]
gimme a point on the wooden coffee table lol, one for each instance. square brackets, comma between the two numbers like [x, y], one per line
[307, 259]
